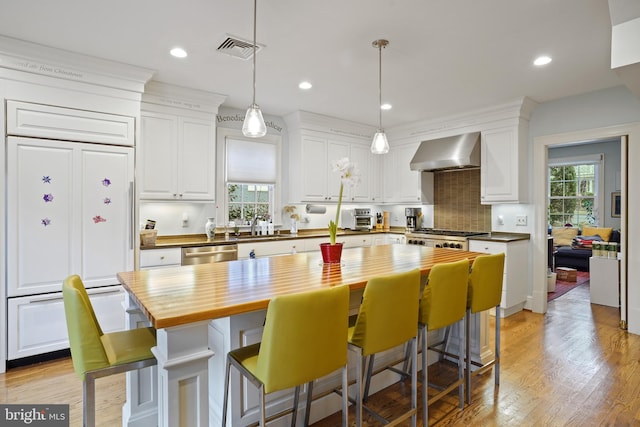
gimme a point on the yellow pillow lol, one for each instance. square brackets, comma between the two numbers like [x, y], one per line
[605, 233]
[562, 236]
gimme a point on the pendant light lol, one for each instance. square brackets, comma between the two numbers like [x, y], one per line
[380, 145]
[253, 125]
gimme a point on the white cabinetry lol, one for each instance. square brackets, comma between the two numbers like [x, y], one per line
[37, 323]
[363, 192]
[503, 171]
[318, 182]
[516, 267]
[402, 185]
[46, 121]
[70, 208]
[604, 283]
[177, 156]
[159, 258]
[355, 241]
[315, 142]
[278, 247]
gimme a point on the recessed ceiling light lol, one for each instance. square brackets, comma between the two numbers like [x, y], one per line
[542, 60]
[178, 52]
[385, 106]
[305, 85]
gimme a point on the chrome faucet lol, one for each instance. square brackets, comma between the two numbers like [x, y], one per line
[253, 224]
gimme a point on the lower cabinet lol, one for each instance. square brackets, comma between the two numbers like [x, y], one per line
[159, 258]
[37, 324]
[516, 267]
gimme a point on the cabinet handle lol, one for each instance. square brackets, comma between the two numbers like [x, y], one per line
[132, 217]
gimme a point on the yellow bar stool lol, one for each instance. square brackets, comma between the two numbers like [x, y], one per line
[304, 338]
[443, 303]
[387, 318]
[485, 292]
[95, 354]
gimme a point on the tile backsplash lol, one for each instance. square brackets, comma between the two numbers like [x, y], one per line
[457, 201]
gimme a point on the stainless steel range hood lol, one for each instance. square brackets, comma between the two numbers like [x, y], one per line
[454, 152]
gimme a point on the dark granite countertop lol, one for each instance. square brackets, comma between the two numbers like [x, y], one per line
[201, 239]
[499, 236]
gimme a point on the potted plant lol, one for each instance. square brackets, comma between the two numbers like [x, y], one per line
[349, 175]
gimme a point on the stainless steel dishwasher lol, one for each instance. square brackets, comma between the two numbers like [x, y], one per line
[207, 254]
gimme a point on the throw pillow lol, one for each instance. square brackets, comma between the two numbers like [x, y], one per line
[563, 236]
[604, 232]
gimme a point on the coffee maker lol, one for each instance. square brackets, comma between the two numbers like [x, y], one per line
[413, 216]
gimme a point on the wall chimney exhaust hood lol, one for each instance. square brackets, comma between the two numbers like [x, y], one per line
[450, 153]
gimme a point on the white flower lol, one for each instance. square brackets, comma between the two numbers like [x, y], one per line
[349, 172]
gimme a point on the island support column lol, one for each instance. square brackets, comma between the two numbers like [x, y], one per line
[141, 406]
[183, 377]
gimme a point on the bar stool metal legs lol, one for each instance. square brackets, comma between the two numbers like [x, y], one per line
[485, 292]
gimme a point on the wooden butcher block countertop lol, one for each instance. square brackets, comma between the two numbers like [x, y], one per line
[180, 295]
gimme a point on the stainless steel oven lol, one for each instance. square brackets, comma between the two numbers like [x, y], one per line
[436, 238]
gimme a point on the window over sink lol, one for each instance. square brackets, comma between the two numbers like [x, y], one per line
[249, 177]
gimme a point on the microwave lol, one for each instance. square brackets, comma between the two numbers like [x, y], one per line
[356, 219]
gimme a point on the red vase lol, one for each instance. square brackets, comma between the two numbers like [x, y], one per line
[331, 254]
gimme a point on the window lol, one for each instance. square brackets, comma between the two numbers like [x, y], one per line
[247, 200]
[574, 191]
[248, 176]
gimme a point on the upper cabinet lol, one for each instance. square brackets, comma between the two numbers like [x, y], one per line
[177, 157]
[503, 170]
[401, 184]
[315, 144]
[503, 152]
[177, 144]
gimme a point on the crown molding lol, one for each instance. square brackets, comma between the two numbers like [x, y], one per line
[169, 95]
[34, 58]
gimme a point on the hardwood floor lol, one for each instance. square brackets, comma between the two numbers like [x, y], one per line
[572, 367]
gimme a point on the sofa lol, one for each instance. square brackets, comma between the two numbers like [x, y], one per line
[572, 246]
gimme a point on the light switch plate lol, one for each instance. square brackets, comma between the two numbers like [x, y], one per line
[521, 220]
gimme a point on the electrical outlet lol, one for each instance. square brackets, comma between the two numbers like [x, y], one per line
[521, 220]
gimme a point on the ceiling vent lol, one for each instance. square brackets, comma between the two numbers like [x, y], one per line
[237, 47]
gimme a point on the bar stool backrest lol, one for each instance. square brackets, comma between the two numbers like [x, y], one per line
[87, 351]
[388, 314]
[304, 338]
[444, 299]
[485, 282]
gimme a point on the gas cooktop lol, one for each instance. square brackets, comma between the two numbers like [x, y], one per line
[440, 232]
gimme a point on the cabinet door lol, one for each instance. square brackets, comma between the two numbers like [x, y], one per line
[157, 160]
[361, 155]
[158, 258]
[402, 185]
[37, 324]
[42, 239]
[70, 212]
[106, 200]
[336, 150]
[196, 179]
[499, 171]
[314, 170]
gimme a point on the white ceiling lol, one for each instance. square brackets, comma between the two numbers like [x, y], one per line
[444, 56]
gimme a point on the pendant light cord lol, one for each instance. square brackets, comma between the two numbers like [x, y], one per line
[380, 85]
[255, 15]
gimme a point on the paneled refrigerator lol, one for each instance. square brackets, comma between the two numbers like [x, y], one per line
[69, 211]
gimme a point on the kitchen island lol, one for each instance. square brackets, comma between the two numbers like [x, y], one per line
[203, 311]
